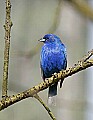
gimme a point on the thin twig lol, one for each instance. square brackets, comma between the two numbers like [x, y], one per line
[48, 82]
[7, 26]
[45, 106]
[86, 57]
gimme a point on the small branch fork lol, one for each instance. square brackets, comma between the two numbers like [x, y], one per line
[84, 63]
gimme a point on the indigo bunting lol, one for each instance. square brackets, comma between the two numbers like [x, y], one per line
[53, 59]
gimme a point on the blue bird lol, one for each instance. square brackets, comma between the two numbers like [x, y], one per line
[53, 59]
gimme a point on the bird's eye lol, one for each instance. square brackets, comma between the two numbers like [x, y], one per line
[46, 38]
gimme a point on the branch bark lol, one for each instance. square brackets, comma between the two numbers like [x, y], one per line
[81, 65]
[45, 106]
[7, 26]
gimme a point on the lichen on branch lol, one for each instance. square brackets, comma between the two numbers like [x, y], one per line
[84, 63]
[7, 26]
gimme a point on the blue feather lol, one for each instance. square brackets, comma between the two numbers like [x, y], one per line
[53, 59]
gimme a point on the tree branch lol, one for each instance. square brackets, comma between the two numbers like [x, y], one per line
[81, 65]
[7, 26]
[45, 106]
[83, 7]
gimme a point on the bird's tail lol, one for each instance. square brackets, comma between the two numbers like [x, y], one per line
[52, 95]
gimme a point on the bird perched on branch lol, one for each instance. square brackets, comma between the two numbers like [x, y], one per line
[53, 59]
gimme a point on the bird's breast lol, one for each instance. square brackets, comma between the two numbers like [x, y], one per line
[52, 60]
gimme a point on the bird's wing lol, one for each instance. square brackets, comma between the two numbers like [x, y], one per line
[65, 64]
[42, 72]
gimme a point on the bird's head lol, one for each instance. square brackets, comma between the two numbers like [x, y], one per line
[50, 38]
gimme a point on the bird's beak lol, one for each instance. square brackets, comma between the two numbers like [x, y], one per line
[42, 40]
